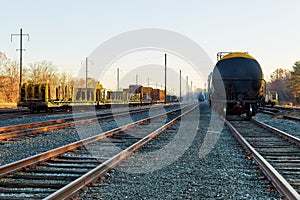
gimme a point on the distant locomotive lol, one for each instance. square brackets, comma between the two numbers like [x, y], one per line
[38, 97]
[237, 84]
[271, 98]
[201, 97]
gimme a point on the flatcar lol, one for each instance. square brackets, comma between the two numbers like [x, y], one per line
[237, 84]
[39, 97]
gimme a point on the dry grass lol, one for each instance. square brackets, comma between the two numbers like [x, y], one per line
[8, 105]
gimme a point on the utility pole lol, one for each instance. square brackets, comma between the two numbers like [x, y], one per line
[179, 85]
[187, 87]
[118, 80]
[86, 73]
[21, 50]
[192, 90]
[165, 78]
[86, 76]
[136, 79]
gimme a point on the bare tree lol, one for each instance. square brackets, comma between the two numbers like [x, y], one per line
[43, 72]
[280, 80]
[9, 83]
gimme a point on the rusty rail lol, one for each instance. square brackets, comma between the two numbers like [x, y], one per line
[283, 134]
[45, 126]
[18, 165]
[277, 180]
[72, 188]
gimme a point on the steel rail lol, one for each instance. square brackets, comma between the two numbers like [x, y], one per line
[287, 107]
[273, 175]
[269, 112]
[266, 111]
[291, 118]
[55, 124]
[72, 188]
[18, 165]
[13, 111]
[278, 132]
[50, 122]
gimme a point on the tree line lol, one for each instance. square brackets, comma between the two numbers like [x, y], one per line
[285, 82]
[37, 72]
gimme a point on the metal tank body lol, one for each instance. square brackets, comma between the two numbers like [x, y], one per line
[238, 80]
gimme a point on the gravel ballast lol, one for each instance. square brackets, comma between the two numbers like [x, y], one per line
[25, 146]
[222, 173]
[289, 126]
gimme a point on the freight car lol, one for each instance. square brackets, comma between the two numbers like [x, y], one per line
[145, 95]
[237, 84]
[38, 97]
[171, 98]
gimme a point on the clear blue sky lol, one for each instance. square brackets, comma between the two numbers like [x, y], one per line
[65, 31]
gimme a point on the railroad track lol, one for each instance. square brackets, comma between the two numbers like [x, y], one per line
[25, 112]
[62, 172]
[12, 113]
[287, 108]
[9, 132]
[281, 113]
[276, 152]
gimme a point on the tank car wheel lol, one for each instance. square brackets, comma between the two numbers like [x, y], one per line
[224, 110]
[272, 105]
[249, 113]
[31, 109]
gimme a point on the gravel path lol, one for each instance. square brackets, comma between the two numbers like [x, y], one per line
[224, 173]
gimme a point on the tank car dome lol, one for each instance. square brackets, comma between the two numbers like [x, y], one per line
[237, 54]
